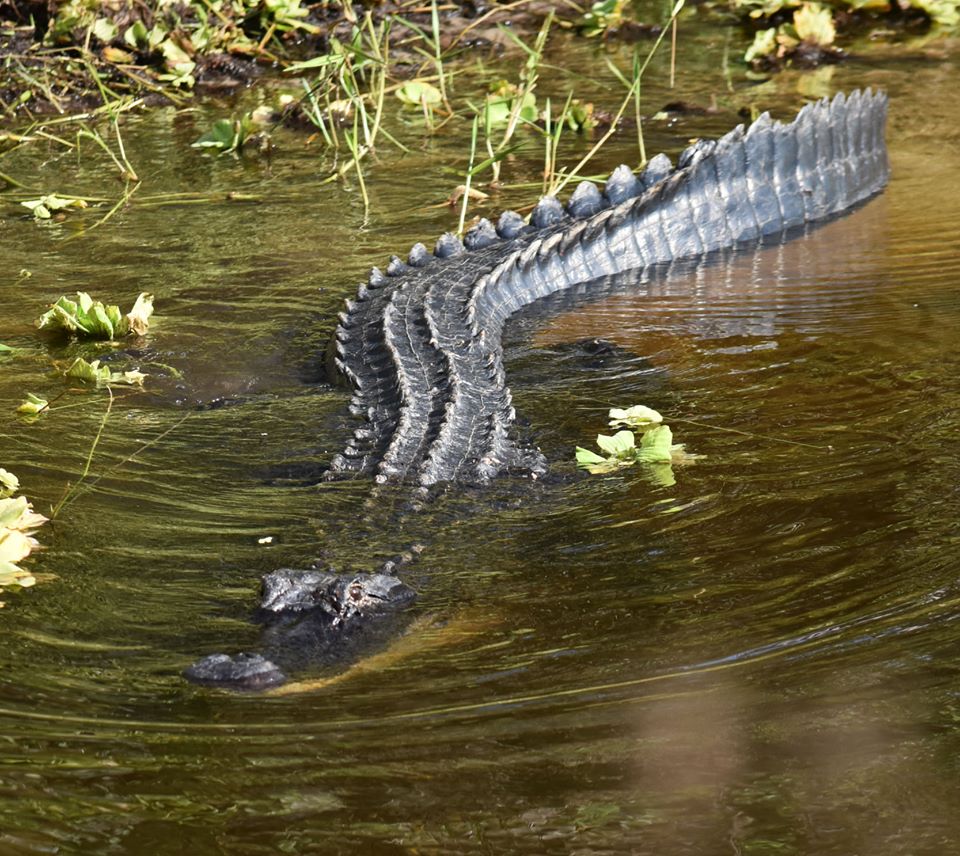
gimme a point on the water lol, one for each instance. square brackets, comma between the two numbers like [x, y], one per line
[759, 659]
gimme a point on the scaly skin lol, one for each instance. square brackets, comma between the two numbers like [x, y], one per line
[421, 344]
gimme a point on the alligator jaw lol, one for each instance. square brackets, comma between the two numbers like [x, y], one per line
[421, 344]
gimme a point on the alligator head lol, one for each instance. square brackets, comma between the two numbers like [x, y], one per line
[305, 611]
[341, 596]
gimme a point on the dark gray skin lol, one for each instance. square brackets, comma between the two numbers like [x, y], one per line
[340, 597]
[310, 616]
[421, 344]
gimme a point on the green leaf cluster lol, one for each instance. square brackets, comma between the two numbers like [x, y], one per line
[171, 35]
[579, 116]
[91, 318]
[503, 101]
[815, 23]
[46, 206]
[812, 24]
[622, 449]
[227, 136]
[33, 405]
[99, 375]
[420, 93]
[602, 16]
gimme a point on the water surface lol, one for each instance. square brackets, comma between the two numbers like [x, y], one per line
[759, 659]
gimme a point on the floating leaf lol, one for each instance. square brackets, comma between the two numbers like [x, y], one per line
[138, 318]
[585, 457]
[105, 30]
[656, 446]
[95, 373]
[33, 405]
[88, 372]
[637, 416]
[621, 443]
[136, 34]
[418, 92]
[5, 349]
[9, 483]
[602, 16]
[814, 24]
[14, 545]
[88, 317]
[175, 56]
[226, 135]
[18, 520]
[580, 115]
[764, 44]
[18, 515]
[502, 101]
[596, 464]
[44, 207]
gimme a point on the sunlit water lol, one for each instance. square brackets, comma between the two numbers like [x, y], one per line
[759, 659]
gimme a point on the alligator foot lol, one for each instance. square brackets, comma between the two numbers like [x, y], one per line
[310, 616]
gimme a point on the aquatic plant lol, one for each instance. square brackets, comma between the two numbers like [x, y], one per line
[91, 318]
[227, 136]
[655, 446]
[419, 93]
[942, 12]
[46, 206]
[18, 522]
[100, 375]
[602, 16]
[33, 405]
[9, 483]
[809, 36]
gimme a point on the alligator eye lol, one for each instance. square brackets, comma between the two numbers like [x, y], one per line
[356, 592]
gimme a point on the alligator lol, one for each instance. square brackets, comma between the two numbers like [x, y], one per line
[421, 343]
[310, 615]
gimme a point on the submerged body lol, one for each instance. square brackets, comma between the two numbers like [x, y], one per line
[421, 344]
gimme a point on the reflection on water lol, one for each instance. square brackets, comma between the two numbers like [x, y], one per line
[760, 659]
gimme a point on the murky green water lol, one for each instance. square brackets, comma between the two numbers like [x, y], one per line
[760, 659]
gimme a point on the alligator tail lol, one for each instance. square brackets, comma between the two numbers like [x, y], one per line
[421, 344]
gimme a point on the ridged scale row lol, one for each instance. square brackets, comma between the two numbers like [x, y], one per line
[421, 343]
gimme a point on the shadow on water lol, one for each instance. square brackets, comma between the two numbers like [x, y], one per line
[758, 659]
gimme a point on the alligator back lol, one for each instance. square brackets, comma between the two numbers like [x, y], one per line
[421, 344]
